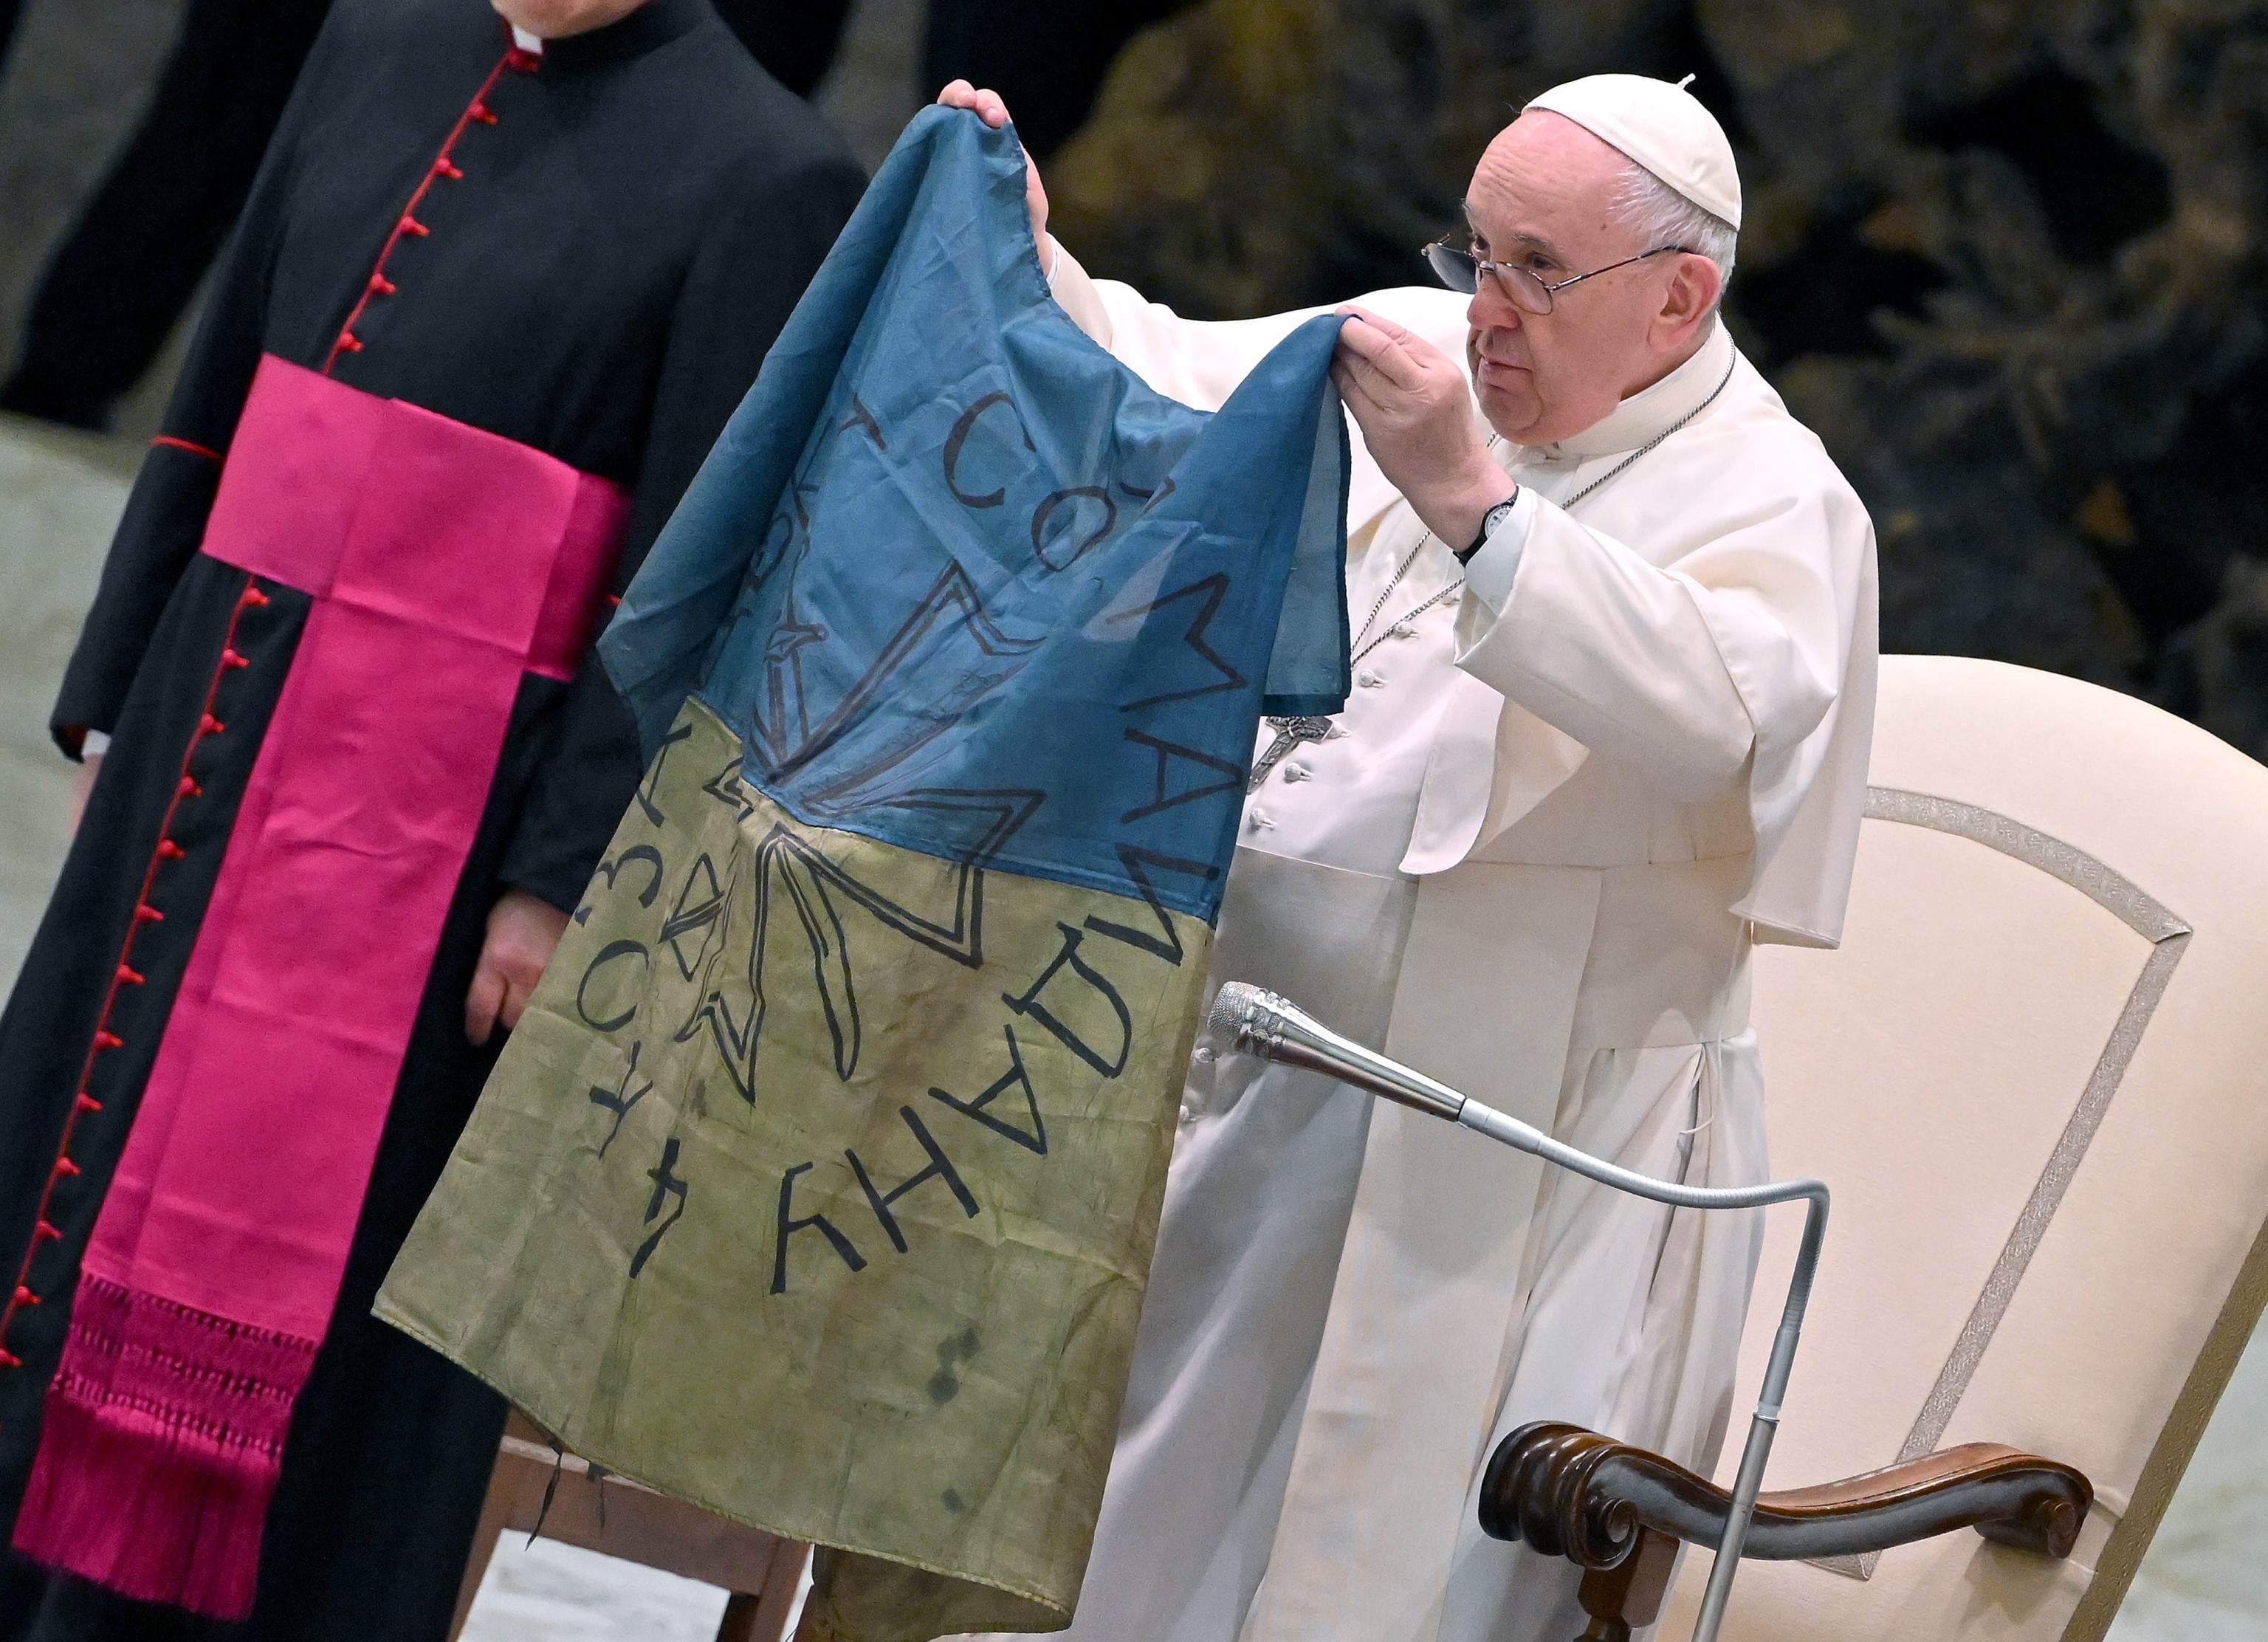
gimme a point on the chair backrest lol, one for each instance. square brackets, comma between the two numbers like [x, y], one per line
[2034, 1078]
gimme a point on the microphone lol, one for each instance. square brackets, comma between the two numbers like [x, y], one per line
[1277, 1029]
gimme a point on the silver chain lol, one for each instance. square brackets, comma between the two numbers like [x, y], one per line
[1624, 466]
[1394, 581]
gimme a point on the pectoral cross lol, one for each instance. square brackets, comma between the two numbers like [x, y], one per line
[1290, 732]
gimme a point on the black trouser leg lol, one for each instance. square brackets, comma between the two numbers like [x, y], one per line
[8, 9]
[113, 291]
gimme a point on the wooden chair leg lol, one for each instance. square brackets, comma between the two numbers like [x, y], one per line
[495, 1510]
[1622, 1599]
[739, 1622]
[761, 1617]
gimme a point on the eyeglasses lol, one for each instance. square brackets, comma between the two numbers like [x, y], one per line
[1461, 271]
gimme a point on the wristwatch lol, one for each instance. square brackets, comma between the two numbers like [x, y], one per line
[1490, 521]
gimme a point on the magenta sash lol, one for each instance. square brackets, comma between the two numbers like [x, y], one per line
[443, 563]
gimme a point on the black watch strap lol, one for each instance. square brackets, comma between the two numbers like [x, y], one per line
[1490, 521]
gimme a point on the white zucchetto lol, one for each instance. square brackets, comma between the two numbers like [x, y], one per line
[1662, 126]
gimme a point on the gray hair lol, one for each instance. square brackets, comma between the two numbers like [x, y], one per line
[1662, 216]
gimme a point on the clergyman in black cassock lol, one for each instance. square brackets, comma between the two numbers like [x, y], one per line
[605, 237]
[112, 291]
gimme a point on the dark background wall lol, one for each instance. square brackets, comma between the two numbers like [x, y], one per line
[2006, 258]
[71, 87]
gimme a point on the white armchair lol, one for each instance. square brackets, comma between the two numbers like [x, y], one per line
[2035, 1079]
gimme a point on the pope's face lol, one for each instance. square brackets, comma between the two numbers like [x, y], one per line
[557, 19]
[1543, 199]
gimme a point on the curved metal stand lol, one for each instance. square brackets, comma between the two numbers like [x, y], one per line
[1268, 1025]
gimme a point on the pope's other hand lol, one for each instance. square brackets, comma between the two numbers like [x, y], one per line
[1416, 414]
[523, 933]
[991, 108]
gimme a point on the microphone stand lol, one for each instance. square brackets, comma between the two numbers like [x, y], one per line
[1275, 1029]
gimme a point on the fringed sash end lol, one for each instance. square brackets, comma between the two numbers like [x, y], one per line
[162, 1438]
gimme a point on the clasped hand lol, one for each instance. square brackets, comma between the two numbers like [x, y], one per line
[1416, 414]
[523, 933]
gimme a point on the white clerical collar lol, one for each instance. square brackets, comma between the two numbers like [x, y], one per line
[1649, 411]
[532, 44]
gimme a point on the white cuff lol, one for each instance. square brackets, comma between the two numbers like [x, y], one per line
[1489, 571]
[94, 746]
[1075, 293]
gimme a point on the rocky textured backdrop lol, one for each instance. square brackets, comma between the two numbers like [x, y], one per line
[2006, 256]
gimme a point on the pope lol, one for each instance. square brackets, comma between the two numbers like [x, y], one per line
[1613, 620]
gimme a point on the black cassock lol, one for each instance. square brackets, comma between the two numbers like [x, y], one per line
[607, 245]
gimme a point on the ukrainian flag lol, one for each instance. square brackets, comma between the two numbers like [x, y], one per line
[818, 1186]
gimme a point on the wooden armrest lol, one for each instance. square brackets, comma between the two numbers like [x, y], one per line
[1570, 1493]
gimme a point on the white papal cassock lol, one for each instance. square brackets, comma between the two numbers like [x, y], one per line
[1530, 860]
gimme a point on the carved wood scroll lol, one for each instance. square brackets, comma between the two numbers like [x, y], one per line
[1611, 1509]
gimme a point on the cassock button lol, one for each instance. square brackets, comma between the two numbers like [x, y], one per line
[1369, 680]
[1188, 1116]
[1202, 1054]
[1335, 733]
[1297, 772]
[1260, 822]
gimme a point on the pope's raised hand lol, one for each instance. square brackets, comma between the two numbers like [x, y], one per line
[1416, 414]
[993, 110]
